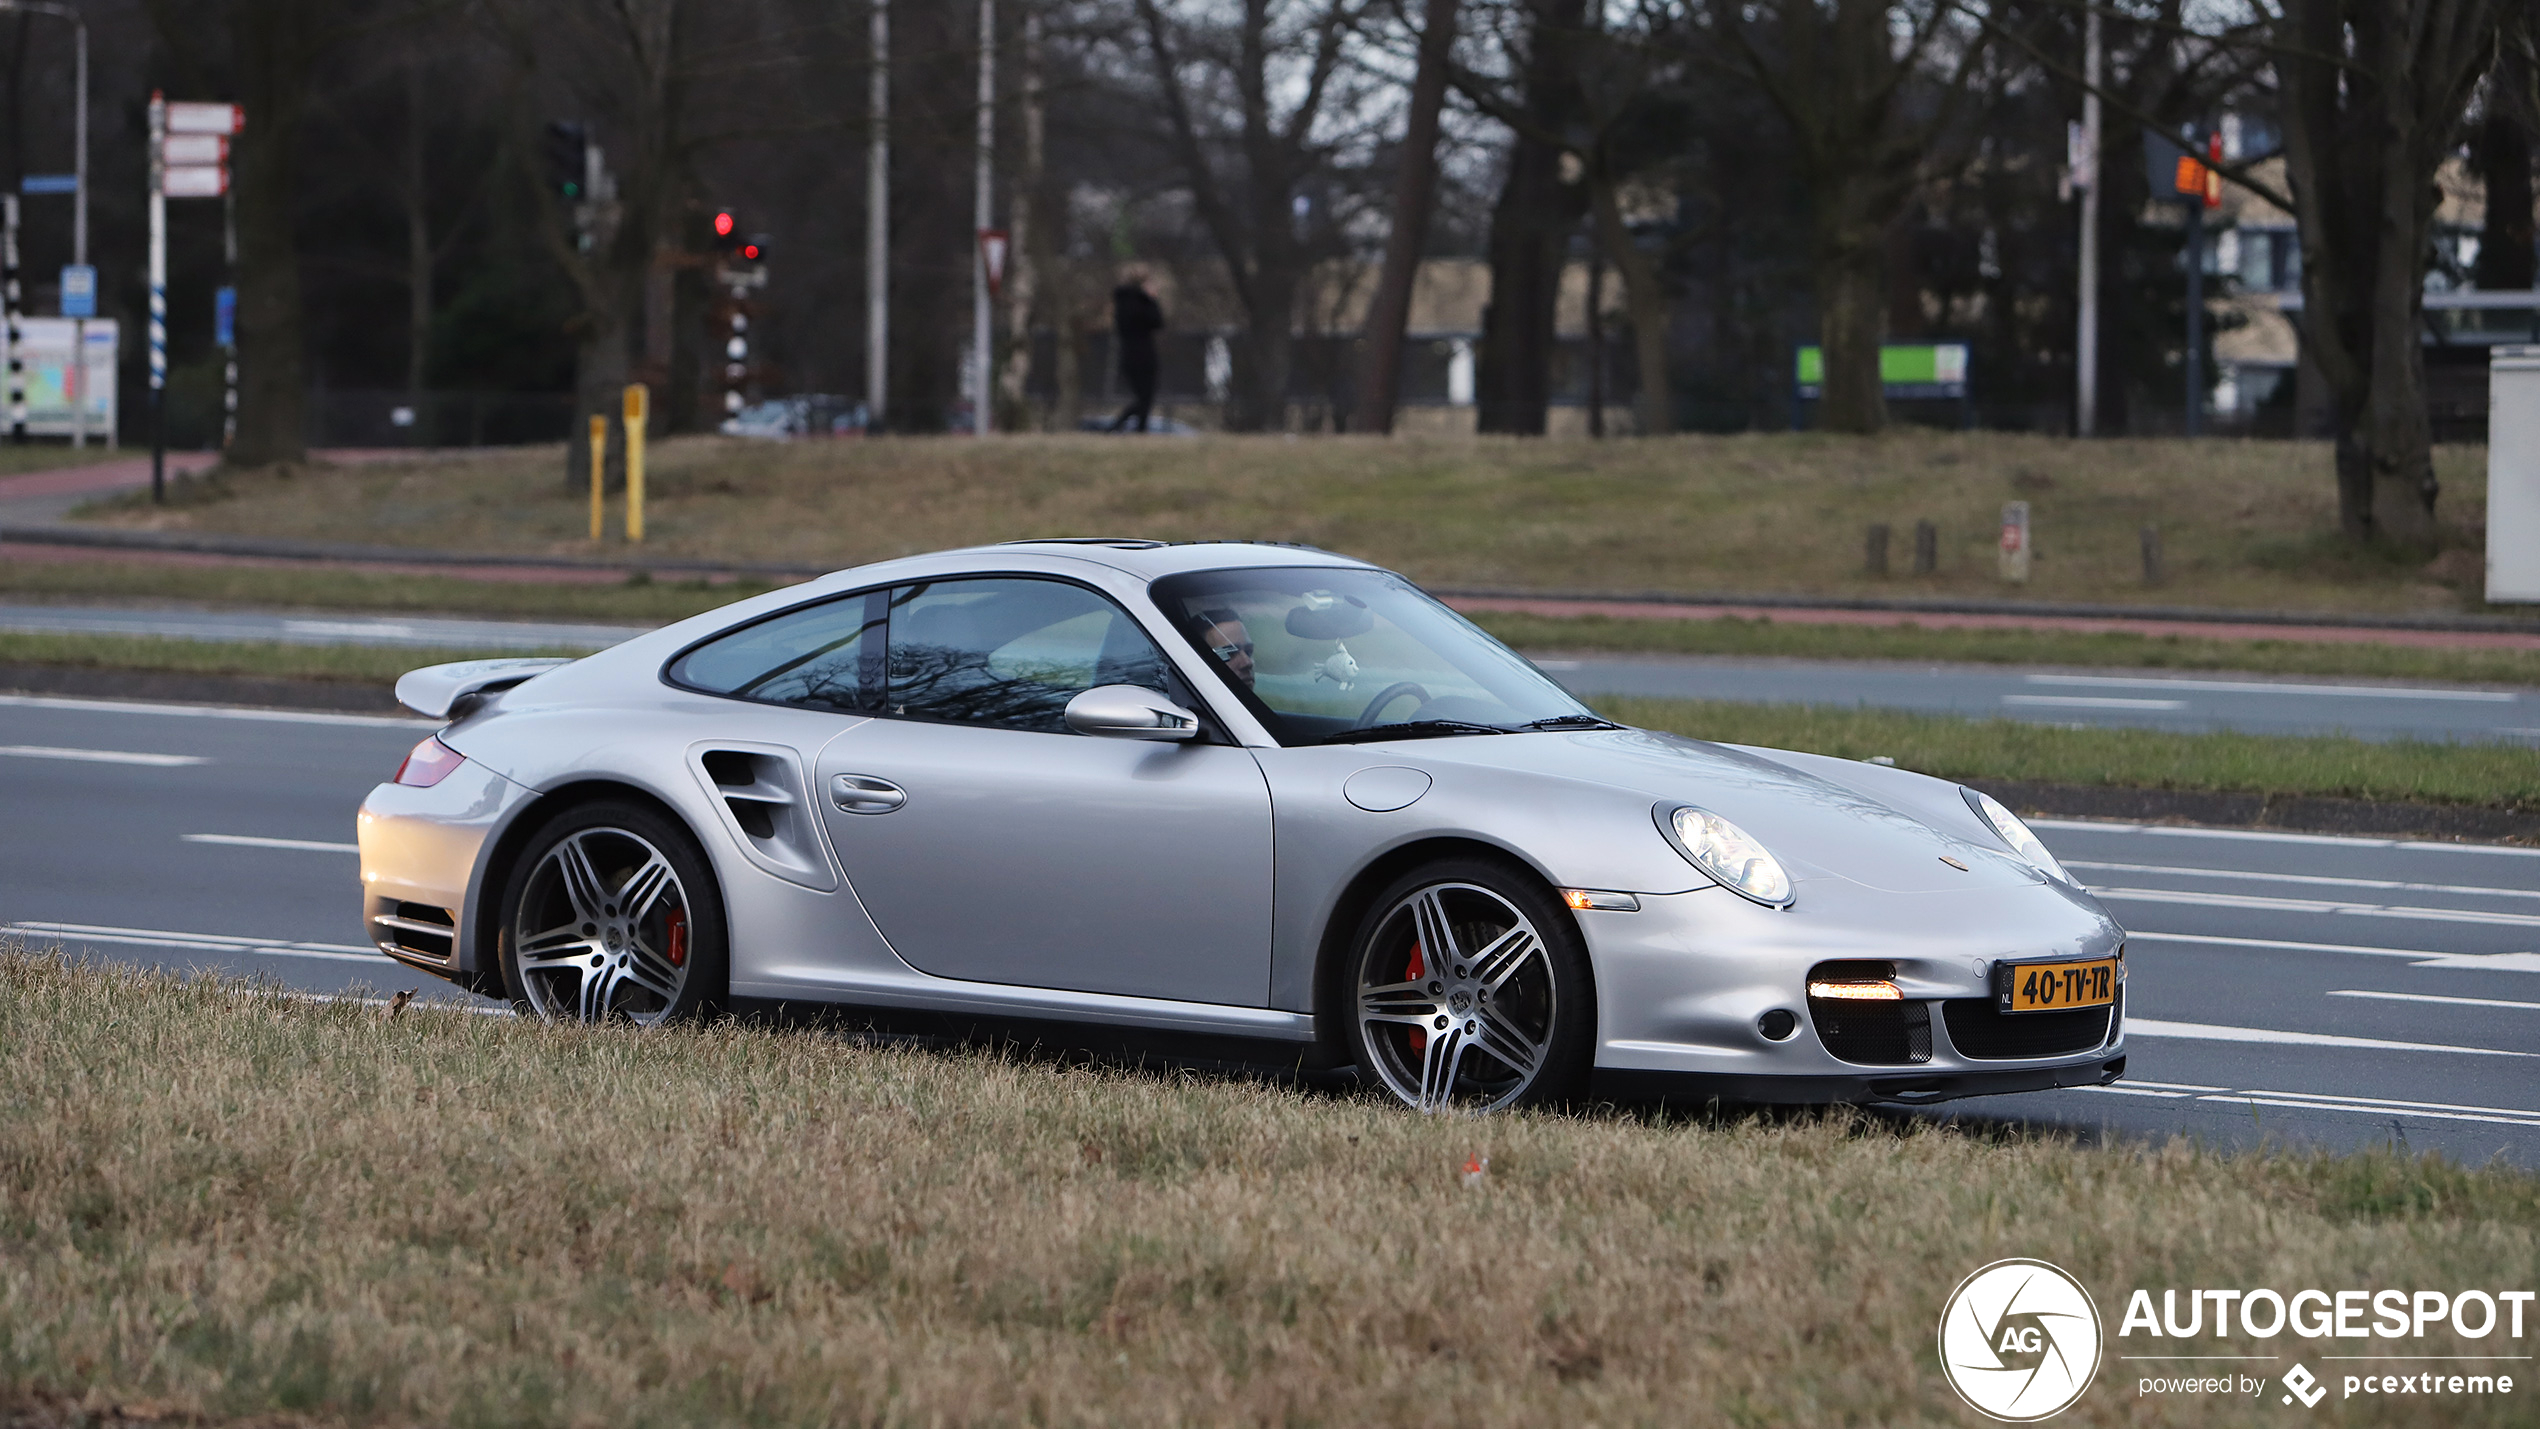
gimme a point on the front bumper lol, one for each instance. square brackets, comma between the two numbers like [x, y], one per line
[1684, 987]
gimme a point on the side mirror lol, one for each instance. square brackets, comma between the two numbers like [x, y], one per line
[1129, 712]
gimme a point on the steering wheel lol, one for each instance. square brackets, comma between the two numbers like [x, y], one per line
[1386, 696]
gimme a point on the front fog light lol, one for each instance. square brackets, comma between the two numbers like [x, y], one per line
[1730, 856]
[2023, 842]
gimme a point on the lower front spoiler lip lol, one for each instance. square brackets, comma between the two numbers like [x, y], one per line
[1898, 1087]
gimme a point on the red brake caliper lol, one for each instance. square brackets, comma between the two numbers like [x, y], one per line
[1417, 970]
[678, 937]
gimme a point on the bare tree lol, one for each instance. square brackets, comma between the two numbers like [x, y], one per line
[1415, 196]
[1252, 215]
[2373, 96]
[1869, 88]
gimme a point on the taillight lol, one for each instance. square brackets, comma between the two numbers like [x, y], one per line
[429, 763]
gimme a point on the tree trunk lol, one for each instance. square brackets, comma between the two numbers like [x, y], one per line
[1026, 247]
[1414, 196]
[1653, 407]
[2502, 152]
[1529, 232]
[1851, 311]
[418, 259]
[1263, 353]
[275, 52]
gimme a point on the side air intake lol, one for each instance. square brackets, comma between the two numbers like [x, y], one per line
[759, 789]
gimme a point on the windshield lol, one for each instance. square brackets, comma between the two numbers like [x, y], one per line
[1326, 655]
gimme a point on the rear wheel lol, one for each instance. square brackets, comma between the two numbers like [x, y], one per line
[612, 915]
[1468, 989]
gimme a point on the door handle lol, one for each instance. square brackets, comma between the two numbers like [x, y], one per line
[864, 794]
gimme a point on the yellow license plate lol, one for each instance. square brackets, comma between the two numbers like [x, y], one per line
[2055, 987]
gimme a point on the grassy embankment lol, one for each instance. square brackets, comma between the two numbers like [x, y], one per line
[2493, 776]
[2245, 524]
[649, 601]
[225, 1201]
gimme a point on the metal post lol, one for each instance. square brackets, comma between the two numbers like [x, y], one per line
[599, 475]
[982, 383]
[229, 350]
[2086, 332]
[12, 295]
[2196, 315]
[877, 227]
[158, 297]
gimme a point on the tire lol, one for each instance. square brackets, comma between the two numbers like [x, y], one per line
[574, 949]
[1510, 1020]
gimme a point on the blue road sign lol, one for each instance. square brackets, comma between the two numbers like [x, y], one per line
[49, 184]
[225, 317]
[79, 290]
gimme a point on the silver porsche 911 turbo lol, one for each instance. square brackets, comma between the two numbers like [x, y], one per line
[1254, 792]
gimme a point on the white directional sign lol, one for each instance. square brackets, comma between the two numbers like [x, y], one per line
[195, 148]
[196, 180]
[187, 117]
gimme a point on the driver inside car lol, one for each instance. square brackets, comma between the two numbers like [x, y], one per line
[1222, 633]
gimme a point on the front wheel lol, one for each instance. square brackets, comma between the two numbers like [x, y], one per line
[1468, 989]
[612, 914]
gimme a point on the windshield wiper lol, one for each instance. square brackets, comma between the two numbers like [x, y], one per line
[1412, 729]
[1579, 721]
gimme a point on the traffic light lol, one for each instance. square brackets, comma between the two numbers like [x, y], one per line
[566, 152]
[754, 248]
[726, 238]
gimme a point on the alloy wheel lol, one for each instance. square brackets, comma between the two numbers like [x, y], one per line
[602, 930]
[1456, 1000]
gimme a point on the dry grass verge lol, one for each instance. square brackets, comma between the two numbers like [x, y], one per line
[223, 1200]
[2246, 524]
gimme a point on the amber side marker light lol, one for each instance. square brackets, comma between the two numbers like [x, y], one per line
[1855, 992]
[1597, 900]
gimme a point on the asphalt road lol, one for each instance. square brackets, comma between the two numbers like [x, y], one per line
[2284, 987]
[2365, 708]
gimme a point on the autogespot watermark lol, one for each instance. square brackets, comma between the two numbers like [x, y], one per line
[2020, 1341]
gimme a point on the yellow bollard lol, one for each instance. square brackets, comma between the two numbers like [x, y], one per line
[638, 408]
[599, 474]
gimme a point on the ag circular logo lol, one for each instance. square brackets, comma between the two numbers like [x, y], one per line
[2019, 1340]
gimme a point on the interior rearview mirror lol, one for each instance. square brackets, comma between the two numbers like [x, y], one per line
[1335, 620]
[1130, 712]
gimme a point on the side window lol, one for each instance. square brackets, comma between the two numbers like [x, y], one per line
[823, 657]
[1009, 652]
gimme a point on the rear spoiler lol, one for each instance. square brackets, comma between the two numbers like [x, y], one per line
[448, 691]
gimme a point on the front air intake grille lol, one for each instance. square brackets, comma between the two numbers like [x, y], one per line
[1874, 1034]
[1979, 1030]
[420, 930]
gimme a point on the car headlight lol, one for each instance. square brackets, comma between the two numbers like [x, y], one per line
[1729, 855]
[2016, 834]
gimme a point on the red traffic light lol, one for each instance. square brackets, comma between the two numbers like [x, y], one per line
[750, 251]
[723, 224]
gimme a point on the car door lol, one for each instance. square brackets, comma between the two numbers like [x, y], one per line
[991, 843]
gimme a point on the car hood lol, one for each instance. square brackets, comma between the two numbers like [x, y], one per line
[1816, 827]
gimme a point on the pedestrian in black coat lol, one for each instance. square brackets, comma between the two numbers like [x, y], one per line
[1135, 319]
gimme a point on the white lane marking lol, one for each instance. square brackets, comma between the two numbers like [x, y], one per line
[2430, 997]
[2173, 1086]
[2092, 702]
[204, 942]
[2307, 905]
[2094, 826]
[102, 756]
[2318, 880]
[2380, 1107]
[2209, 1032]
[349, 627]
[2486, 962]
[2265, 687]
[2281, 945]
[2378, 1112]
[61, 702]
[251, 841]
